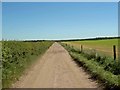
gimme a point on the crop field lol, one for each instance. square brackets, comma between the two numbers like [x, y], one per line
[17, 56]
[102, 68]
[101, 46]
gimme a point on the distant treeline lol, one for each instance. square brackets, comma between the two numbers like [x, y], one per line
[36, 40]
[29, 40]
[97, 38]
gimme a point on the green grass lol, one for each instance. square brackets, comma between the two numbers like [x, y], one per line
[97, 71]
[17, 56]
[103, 68]
[0, 66]
[102, 46]
[105, 43]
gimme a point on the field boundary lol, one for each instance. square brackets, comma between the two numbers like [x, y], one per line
[108, 79]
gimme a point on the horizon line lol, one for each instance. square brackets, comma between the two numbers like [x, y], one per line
[60, 39]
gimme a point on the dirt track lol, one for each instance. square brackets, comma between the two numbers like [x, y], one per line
[55, 69]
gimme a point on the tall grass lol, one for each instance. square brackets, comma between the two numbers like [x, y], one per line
[17, 56]
[105, 69]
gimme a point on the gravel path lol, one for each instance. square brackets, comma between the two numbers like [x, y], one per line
[55, 69]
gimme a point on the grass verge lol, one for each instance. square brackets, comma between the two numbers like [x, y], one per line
[96, 68]
[17, 56]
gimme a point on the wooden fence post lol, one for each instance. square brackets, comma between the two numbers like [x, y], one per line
[114, 51]
[81, 48]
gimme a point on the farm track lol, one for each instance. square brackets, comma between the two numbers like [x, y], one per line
[55, 69]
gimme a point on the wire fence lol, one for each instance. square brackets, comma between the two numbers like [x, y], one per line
[113, 52]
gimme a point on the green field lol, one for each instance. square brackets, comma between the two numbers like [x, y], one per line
[100, 67]
[17, 56]
[103, 46]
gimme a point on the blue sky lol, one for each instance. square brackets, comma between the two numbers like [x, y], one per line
[60, 0]
[0, 20]
[59, 20]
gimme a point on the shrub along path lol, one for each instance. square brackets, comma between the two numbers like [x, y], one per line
[56, 69]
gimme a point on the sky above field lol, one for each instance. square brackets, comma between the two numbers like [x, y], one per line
[59, 20]
[60, 0]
